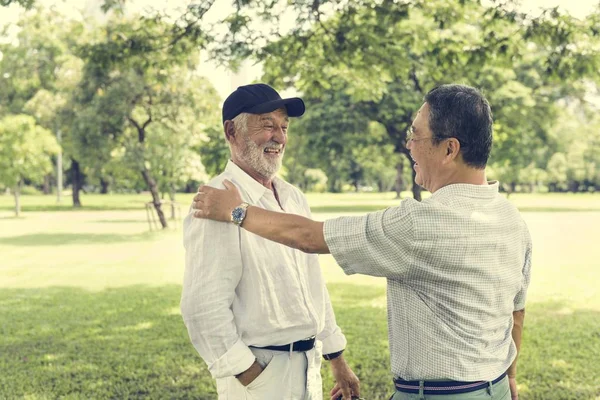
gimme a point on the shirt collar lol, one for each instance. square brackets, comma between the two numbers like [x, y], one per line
[468, 190]
[252, 187]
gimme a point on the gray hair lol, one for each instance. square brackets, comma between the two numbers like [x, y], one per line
[240, 122]
[462, 112]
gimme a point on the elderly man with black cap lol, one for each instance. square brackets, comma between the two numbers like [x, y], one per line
[257, 312]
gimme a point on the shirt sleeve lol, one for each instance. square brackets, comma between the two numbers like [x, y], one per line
[376, 244]
[331, 336]
[213, 268]
[520, 298]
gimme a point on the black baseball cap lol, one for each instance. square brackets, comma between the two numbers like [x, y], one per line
[259, 99]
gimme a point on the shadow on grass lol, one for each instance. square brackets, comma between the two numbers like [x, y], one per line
[13, 217]
[131, 343]
[59, 239]
[66, 207]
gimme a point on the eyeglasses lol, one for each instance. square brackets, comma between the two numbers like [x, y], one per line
[410, 136]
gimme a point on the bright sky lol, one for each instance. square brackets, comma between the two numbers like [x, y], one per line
[223, 80]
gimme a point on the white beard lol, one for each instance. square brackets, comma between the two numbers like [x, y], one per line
[253, 155]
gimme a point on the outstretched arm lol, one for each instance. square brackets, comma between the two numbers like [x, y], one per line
[291, 230]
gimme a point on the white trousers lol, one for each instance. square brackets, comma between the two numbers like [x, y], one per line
[286, 376]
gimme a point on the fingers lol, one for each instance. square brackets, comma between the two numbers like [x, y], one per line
[228, 185]
[202, 191]
[347, 392]
[336, 392]
[335, 388]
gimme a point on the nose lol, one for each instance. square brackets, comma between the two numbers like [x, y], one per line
[279, 135]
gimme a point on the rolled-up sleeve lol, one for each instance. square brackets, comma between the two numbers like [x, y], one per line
[376, 244]
[212, 273]
[331, 336]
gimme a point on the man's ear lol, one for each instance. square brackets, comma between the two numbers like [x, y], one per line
[229, 130]
[452, 149]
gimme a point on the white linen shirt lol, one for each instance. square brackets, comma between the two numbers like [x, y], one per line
[457, 265]
[242, 290]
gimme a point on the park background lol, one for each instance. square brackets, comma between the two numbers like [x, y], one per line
[118, 103]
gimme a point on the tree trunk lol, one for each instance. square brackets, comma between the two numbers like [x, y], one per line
[46, 185]
[416, 189]
[574, 186]
[76, 179]
[399, 184]
[172, 197]
[59, 171]
[150, 182]
[334, 186]
[512, 187]
[155, 197]
[18, 198]
[104, 183]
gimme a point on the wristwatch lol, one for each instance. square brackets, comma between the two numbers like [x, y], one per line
[239, 213]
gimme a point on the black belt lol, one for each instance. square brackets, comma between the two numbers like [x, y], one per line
[300, 345]
[443, 387]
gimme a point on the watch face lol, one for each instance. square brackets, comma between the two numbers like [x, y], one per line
[237, 213]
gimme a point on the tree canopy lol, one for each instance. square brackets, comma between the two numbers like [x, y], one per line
[134, 112]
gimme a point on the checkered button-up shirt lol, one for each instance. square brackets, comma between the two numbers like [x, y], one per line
[457, 266]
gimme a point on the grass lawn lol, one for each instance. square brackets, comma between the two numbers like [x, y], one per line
[320, 202]
[89, 303]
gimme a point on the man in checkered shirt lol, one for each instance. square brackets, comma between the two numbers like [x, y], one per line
[457, 264]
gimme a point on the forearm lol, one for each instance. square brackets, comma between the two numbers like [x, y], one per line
[517, 331]
[288, 229]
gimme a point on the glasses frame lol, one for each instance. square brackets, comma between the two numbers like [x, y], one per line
[410, 136]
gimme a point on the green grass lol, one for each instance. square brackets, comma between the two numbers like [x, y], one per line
[90, 202]
[89, 306]
[320, 202]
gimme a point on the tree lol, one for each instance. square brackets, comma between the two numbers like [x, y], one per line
[214, 150]
[146, 102]
[40, 71]
[386, 55]
[25, 150]
[24, 3]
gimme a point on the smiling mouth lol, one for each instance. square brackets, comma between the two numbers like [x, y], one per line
[270, 150]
